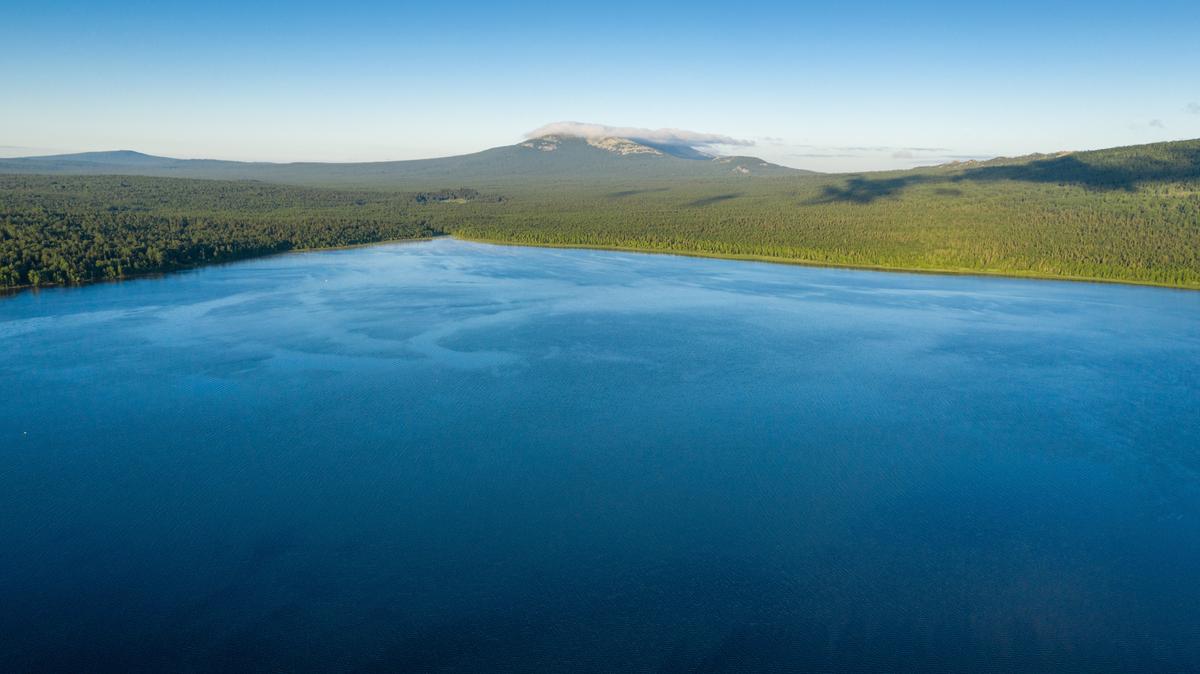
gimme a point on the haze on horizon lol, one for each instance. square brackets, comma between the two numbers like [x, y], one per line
[884, 86]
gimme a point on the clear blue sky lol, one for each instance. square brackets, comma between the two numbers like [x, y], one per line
[830, 86]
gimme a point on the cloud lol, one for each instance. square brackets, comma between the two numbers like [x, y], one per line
[875, 148]
[924, 155]
[1151, 124]
[663, 136]
[811, 155]
[1193, 108]
[849, 148]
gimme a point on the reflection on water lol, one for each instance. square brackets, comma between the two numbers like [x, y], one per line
[451, 456]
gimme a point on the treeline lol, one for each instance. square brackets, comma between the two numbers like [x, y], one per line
[1127, 214]
[68, 230]
[460, 195]
[1137, 230]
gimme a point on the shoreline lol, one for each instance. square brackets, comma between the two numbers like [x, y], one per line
[14, 290]
[838, 265]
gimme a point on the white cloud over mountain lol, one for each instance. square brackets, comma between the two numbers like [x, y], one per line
[663, 136]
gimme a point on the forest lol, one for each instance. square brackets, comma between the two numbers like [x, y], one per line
[70, 230]
[1126, 214]
[1149, 233]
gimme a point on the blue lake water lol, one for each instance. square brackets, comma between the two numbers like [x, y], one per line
[447, 456]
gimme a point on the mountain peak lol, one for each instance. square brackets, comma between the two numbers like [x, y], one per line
[622, 146]
[544, 143]
[625, 140]
[619, 145]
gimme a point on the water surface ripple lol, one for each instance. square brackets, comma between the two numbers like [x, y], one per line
[448, 456]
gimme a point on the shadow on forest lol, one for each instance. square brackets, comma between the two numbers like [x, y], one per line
[630, 193]
[716, 199]
[1182, 164]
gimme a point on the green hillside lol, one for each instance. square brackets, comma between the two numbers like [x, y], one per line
[1124, 214]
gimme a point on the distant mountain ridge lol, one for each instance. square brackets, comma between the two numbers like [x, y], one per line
[108, 157]
[549, 158]
[562, 159]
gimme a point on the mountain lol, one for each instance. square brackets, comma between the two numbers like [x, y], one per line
[113, 158]
[547, 158]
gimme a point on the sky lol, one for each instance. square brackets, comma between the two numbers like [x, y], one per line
[829, 86]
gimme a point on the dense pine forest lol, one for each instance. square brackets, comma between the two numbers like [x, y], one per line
[935, 220]
[66, 230]
[1126, 214]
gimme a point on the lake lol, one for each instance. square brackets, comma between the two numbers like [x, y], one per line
[448, 456]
